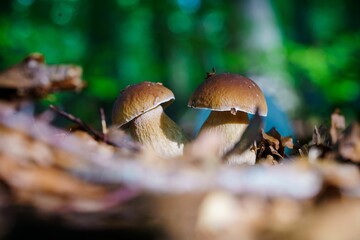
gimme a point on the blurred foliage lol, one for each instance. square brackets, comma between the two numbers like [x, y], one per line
[121, 42]
[323, 52]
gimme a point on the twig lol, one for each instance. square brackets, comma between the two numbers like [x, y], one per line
[78, 121]
[90, 130]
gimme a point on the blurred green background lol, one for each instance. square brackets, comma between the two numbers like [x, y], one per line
[304, 54]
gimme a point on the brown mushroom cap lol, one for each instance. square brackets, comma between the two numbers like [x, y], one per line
[228, 92]
[137, 99]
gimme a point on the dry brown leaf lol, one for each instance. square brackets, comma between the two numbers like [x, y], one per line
[272, 143]
[270, 139]
[287, 142]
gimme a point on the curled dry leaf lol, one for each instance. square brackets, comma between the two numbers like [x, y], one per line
[287, 142]
[272, 137]
[273, 144]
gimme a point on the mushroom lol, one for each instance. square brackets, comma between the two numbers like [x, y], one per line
[139, 111]
[230, 98]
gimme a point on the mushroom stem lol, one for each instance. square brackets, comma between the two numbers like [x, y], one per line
[229, 129]
[156, 131]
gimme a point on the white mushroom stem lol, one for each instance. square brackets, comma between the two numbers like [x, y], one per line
[156, 131]
[229, 128]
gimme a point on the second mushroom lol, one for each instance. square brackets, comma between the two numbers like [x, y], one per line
[230, 98]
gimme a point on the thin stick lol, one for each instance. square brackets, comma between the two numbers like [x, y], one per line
[78, 121]
[89, 129]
